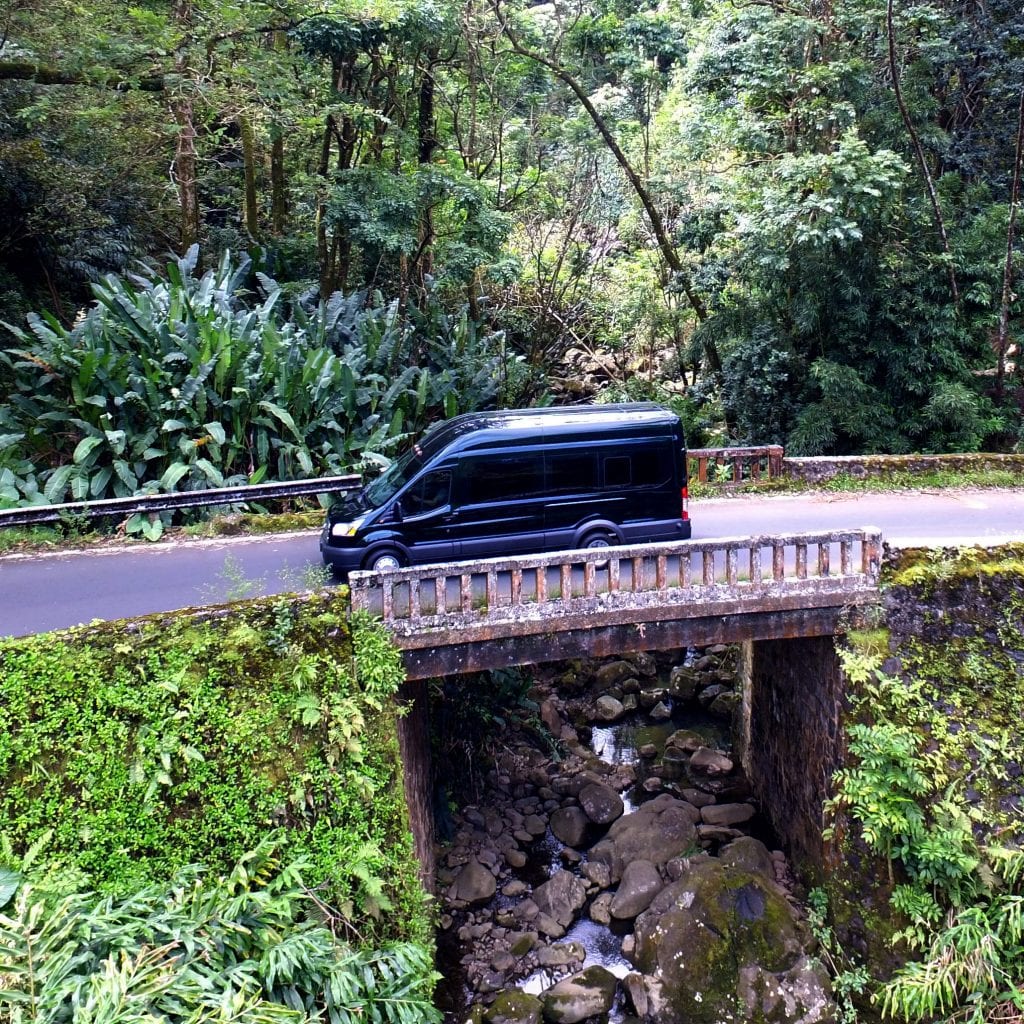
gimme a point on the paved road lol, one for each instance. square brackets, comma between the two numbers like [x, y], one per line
[39, 593]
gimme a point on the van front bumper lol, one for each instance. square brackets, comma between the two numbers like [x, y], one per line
[343, 559]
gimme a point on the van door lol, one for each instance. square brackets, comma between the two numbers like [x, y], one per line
[500, 504]
[427, 526]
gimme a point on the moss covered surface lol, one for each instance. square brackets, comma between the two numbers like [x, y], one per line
[943, 666]
[144, 746]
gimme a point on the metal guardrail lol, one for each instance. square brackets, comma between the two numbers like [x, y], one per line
[730, 574]
[34, 514]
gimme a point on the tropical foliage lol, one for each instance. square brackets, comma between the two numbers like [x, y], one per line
[184, 382]
[253, 946]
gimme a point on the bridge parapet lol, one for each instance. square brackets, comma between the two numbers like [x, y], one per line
[467, 602]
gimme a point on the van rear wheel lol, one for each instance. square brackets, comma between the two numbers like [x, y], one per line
[597, 539]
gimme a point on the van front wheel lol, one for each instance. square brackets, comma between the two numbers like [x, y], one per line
[384, 561]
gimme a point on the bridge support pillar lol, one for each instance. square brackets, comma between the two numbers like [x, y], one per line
[791, 738]
[414, 746]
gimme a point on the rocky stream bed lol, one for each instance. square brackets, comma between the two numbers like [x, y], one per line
[623, 874]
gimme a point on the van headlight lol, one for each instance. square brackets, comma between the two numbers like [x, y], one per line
[347, 529]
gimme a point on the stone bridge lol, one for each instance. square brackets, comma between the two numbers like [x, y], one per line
[472, 616]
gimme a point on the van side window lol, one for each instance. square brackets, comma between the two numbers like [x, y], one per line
[501, 479]
[574, 471]
[430, 492]
[618, 471]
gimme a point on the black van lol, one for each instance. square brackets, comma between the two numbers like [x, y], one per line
[488, 484]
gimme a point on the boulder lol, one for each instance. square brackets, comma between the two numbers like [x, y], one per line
[686, 739]
[801, 995]
[560, 897]
[560, 954]
[569, 825]
[710, 762]
[587, 994]
[683, 682]
[608, 709]
[748, 854]
[658, 831]
[726, 814]
[699, 930]
[661, 711]
[600, 909]
[474, 883]
[601, 804]
[640, 884]
[612, 673]
[550, 717]
[513, 1006]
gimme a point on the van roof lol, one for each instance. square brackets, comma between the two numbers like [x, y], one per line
[509, 425]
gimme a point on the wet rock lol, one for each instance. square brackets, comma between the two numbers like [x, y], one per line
[659, 830]
[661, 711]
[640, 884]
[648, 750]
[490, 981]
[535, 824]
[527, 910]
[710, 693]
[682, 682]
[570, 857]
[699, 929]
[710, 762]
[561, 954]
[513, 888]
[643, 663]
[612, 673]
[513, 1006]
[560, 897]
[608, 709]
[503, 960]
[600, 909]
[686, 739]
[801, 995]
[748, 854]
[653, 784]
[550, 717]
[601, 804]
[726, 814]
[522, 943]
[711, 835]
[725, 704]
[598, 873]
[474, 884]
[548, 926]
[648, 698]
[697, 797]
[515, 858]
[630, 702]
[587, 994]
[636, 993]
[569, 825]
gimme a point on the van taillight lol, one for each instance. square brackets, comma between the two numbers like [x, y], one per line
[685, 496]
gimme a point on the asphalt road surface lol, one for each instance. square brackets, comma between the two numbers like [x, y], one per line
[54, 590]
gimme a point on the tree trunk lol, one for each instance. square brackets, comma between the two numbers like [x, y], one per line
[278, 184]
[185, 161]
[1003, 339]
[922, 162]
[665, 246]
[252, 218]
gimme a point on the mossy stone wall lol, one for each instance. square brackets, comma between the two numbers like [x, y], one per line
[138, 747]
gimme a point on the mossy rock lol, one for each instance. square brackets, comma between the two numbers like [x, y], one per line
[702, 930]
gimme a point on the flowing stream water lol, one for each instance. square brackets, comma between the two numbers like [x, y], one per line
[628, 742]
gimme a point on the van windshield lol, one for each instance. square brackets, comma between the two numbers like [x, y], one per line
[393, 479]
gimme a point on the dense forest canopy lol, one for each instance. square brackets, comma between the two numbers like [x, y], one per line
[796, 221]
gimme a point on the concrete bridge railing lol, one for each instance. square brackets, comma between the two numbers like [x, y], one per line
[466, 602]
